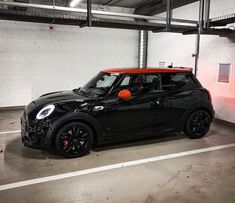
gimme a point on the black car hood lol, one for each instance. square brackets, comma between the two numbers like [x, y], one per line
[56, 98]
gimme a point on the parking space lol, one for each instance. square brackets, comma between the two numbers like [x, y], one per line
[207, 176]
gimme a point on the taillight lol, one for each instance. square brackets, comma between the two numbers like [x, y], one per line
[209, 95]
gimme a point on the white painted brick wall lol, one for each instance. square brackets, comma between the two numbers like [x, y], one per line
[178, 49]
[35, 60]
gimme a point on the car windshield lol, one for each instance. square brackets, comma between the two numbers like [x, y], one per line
[99, 85]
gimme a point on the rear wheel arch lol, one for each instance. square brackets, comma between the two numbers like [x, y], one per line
[198, 129]
[187, 115]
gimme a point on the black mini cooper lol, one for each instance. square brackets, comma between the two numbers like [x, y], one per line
[118, 104]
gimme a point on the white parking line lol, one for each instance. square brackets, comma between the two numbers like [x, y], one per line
[110, 167]
[10, 132]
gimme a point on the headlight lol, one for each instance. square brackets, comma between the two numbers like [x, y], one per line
[46, 111]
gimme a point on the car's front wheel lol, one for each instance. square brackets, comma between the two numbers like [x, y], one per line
[74, 139]
[198, 124]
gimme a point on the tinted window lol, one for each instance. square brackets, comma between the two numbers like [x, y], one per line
[152, 82]
[138, 83]
[178, 81]
[125, 81]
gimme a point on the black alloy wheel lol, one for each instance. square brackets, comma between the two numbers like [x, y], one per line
[198, 124]
[74, 139]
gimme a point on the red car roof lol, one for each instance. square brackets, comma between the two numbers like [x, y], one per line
[147, 70]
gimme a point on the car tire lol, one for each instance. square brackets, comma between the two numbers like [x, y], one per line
[74, 139]
[198, 124]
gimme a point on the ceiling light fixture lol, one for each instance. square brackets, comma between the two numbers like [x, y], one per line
[73, 3]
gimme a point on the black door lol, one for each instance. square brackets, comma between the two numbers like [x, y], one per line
[144, 114]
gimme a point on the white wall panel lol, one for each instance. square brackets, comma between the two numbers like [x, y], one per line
[35, 60]
[178, 49]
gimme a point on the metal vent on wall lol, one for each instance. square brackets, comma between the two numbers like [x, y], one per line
[224, 72]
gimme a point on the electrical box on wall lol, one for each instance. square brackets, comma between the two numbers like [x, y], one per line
[224, 72]
[162, 64]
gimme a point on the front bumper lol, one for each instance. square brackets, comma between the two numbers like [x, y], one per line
[33, 134]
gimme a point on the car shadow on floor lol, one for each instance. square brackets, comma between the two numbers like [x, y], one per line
[15, 148]
[140, 141]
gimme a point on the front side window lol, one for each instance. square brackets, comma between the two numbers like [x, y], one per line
[99, 85]
[152, 82]
[125, 81]
[140, 83]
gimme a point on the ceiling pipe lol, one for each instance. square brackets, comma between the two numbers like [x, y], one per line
[206, 23]
[168, 15]
[94, 12]
[143, 49]
[89, 13]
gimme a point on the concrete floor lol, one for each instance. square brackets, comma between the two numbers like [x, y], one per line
[204, 177]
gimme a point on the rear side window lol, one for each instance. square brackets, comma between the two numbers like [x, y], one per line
[178, 81]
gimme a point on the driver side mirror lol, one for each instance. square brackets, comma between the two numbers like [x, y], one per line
[124, 94]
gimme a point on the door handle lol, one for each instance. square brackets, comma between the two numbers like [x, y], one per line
[157, 101]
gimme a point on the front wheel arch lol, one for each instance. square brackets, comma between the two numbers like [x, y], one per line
[75, 117]
[79, 138]
[95, 135]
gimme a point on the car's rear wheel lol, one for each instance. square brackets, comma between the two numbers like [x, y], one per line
[198, 124]
[74, 139]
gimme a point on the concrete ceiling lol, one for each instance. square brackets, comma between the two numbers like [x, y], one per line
[142, 7]
[119, 3]
[152, 7]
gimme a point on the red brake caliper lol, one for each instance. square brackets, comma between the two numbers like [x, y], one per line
[66, 142]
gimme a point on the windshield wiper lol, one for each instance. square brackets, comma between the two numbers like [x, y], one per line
[82, 92]
[77, 89]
